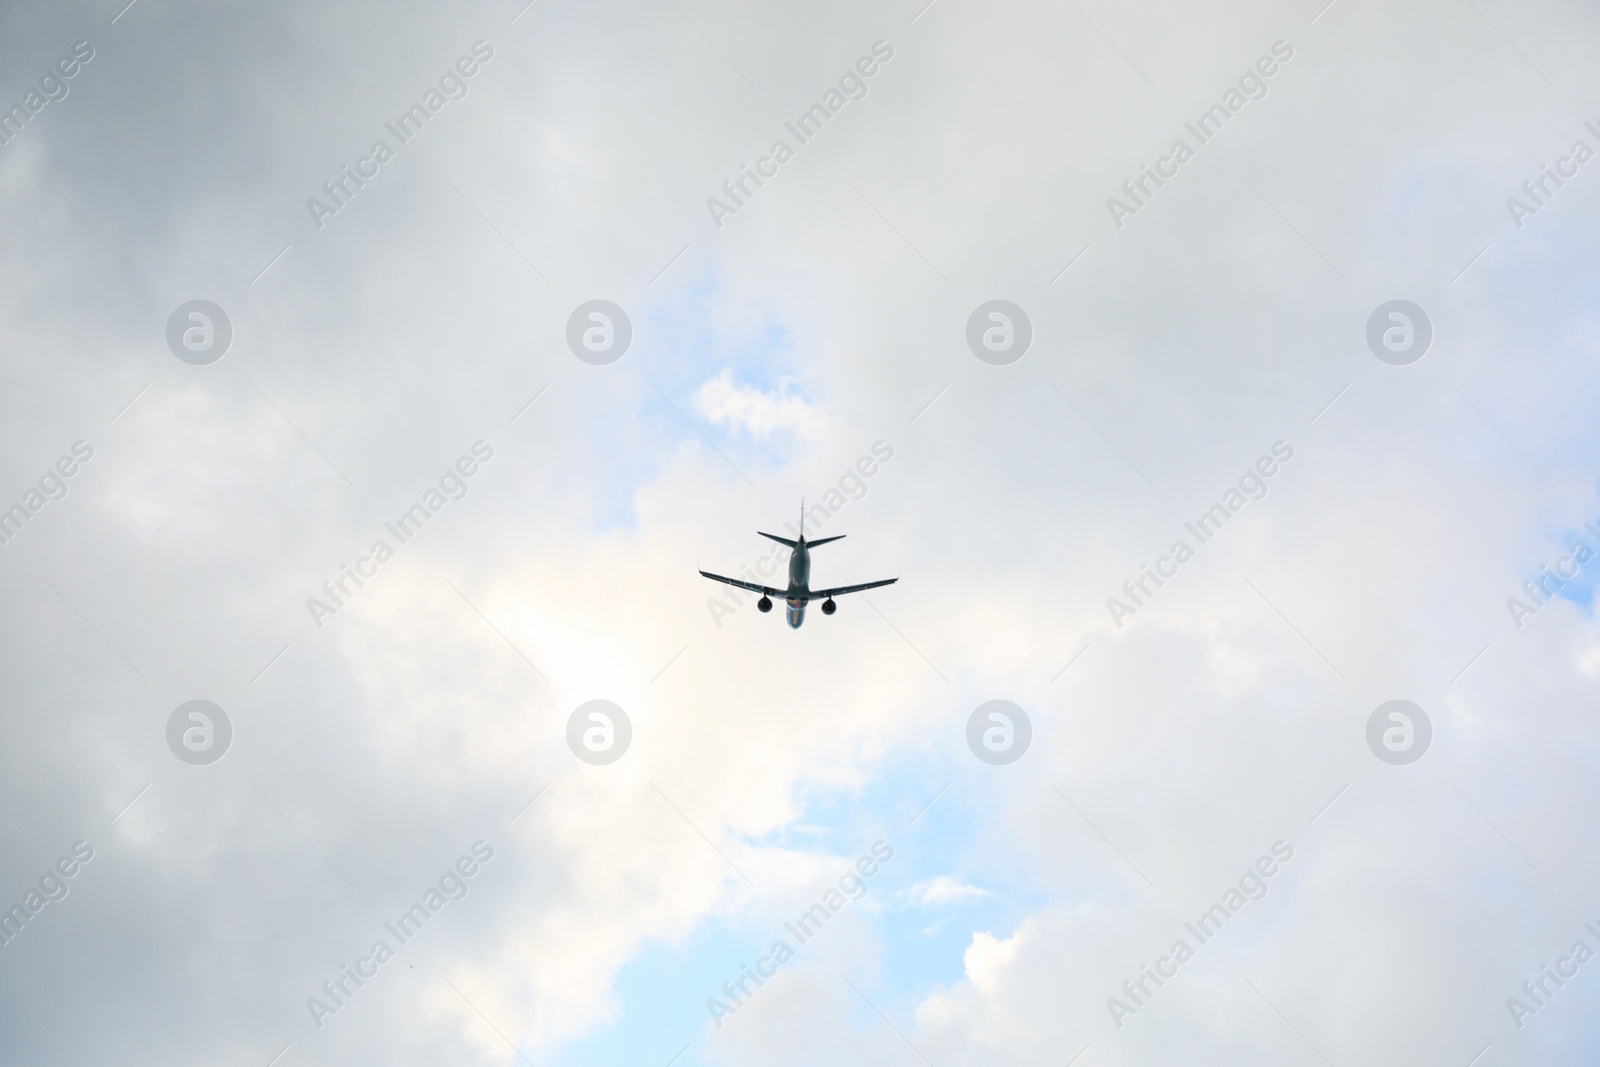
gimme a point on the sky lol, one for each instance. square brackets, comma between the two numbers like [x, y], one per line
[1217, 380]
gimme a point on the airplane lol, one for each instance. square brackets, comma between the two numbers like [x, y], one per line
[799, 592]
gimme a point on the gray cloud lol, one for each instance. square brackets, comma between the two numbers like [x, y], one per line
[371, 353]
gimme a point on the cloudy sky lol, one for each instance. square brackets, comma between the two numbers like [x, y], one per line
[188, 883]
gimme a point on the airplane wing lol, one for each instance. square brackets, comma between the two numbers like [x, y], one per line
[817, 594]
[765, 590]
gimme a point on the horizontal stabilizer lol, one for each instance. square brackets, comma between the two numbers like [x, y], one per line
[780, 540]
[824, 540]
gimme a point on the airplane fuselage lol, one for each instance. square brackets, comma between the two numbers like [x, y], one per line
[799, 584]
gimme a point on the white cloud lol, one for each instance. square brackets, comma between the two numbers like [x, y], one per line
[758, 413]
[944, 889]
